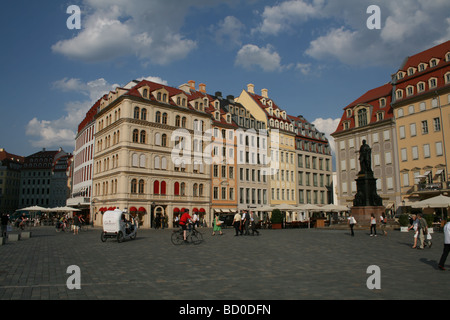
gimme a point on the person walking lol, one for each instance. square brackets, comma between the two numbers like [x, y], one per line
[237, 221]
[216, 225]
[351, 222]
[422, 230]
[5, 221]
[373, 225]
[76, 224]
[415, 226]
[383, 222]
[254, 220]
[246, 223]
[446, 246]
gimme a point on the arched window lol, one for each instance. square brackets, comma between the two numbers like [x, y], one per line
[176, 189]
[157, 139]
[163, 187]
[145, 93]
[183, 189]
[200, 190]
[142, 140]
[164, 140]
[136, 112]
[158, 117]
[157, 162]
[177, 121]
[195, 189]
[362, 117]
[141, 186]
[164, 118]
[144, 114]
[135, 135]
[156, 187]
[133, 186]
[183, 122]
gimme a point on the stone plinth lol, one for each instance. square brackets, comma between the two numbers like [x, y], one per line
[362, 214]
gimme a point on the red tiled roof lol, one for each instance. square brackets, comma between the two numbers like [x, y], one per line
[438, 51]
[371, 97]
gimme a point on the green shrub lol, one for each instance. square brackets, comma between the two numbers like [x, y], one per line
[403, 220]
[277, 216]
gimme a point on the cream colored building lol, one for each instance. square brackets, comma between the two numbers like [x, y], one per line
[281, 145]
[422, 113]
[139, 129]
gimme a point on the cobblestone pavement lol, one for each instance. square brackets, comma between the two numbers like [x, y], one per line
[291, 264]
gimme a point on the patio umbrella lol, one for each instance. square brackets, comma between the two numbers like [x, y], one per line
[334, 207]
[439, 201]
[33, 209]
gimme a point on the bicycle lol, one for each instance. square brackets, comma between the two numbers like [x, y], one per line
[193, 236]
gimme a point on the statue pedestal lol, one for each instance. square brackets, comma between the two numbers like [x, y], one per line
[366, 194]
[362, 214]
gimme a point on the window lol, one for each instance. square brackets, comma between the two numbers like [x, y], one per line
[432, 83]
[156, 187]
[405, 179]
[415, 153]
[404, 154]
[412, 129]
[424, 127]
[164, 118]
[141, 186]
[411, 109]
[158, 117]
[362, 117]
[402, 133]
[135, 135]
[426, 150]
[134, 186]
[400, 113]
[142, 136]
[439, 148]
[136, 113]
[144, 114]
[437, 124]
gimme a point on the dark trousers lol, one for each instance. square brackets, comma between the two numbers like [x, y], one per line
[374, 228]
[254, 229]
[351, 229]
[444, 254]
[236, 227]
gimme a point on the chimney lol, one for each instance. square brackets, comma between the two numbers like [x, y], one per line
[265, 93]
[191, 84]
[251, 88]
[202, 87]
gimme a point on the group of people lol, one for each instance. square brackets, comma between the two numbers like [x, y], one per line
[373, 224]
[244, 222]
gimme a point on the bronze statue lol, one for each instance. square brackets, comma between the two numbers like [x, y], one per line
[365, 158]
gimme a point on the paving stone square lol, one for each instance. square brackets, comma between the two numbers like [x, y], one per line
[289, 264]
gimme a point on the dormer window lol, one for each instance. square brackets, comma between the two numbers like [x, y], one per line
[217, 116]
[400, 75]
[380, 116]
[145, 93]
[270, 111]
[432, 83]
[447, 56]
[421, 86]
[411, 71]
[216, 105]
[362, 117]
[399, 94]
[409, 90]
[349, 113]
[434, 62]
[382, 102]
[422, 66]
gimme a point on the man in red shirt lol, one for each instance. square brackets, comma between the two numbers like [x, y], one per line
[184, 220]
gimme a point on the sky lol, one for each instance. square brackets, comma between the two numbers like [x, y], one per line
[314, 56]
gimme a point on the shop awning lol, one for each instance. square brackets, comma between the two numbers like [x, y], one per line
[142, 209]
[133, 209]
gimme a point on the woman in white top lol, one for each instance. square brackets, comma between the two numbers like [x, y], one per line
[373, 225]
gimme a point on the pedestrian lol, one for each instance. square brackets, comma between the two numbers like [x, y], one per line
[351, 222]
[76, 223]
[373, 225]
[446, 246]
[246, 223]
[422, 231]
[237, 221]
[383, 222]
[254, 221]
[216, 225]
[415, 226]
[5, 221]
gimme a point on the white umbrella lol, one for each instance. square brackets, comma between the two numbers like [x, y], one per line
[334, 207]
[34, 208]
[439, 201]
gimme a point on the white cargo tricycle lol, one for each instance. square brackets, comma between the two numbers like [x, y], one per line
[115, 225]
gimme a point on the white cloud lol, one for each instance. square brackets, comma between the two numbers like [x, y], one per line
[61, 132]
[282, 16]
[229, 31]
[143, 28]
[266, 58]
[327, 126]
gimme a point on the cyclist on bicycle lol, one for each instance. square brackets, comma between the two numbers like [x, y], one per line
[184, 220]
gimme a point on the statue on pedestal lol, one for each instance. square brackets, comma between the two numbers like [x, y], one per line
[365, 158]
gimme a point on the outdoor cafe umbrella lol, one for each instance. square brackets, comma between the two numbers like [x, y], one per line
[439, 201]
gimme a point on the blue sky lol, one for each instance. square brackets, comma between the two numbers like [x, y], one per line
[314, 56]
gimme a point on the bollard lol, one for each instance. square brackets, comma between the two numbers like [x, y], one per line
[25, 235]
[13, 237]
